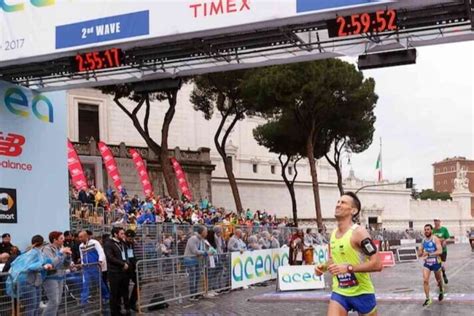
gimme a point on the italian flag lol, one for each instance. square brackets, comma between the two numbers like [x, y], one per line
[378, 167]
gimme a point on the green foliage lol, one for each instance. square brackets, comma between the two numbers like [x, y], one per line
[434, 195]
[330, 96]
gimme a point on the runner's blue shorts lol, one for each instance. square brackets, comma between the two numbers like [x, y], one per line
[433, 267]
[363, 304]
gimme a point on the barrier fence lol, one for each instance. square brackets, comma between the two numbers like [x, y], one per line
[164, 280]
[76, 292]
[6, 301]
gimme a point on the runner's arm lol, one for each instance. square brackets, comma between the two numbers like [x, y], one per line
[374, 264]
[439, 248]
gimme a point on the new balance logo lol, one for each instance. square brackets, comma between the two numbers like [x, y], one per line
[11, 144]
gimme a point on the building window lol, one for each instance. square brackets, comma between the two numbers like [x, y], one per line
[254, 168]
[88, 122]
[272, 169]
[437, 183]
[452, 168]
[290, 170]
[445, 169]
[410, 224]
[229, 161]
[445, 182]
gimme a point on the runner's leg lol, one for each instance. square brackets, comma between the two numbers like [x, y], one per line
[440, 284]
[444, 256]
[426, 282]
[336, 309]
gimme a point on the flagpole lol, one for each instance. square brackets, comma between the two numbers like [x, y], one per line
[381, 164]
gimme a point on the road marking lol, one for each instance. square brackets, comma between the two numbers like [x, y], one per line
[460, 268]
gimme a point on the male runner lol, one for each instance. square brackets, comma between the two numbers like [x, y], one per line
[352, 287]
[430, 251]
[443, 235]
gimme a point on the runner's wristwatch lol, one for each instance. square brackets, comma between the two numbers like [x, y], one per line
[350, 268]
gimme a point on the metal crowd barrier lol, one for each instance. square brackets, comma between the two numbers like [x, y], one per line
[78, 292]
[179, 278]
[6, 302]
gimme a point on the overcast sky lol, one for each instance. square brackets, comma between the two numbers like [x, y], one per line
[424, 114]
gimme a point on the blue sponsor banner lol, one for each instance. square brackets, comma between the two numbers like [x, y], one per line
[315, 5]
[103, 29]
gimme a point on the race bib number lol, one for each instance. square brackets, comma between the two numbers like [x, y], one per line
[347, 280]
[431, 260]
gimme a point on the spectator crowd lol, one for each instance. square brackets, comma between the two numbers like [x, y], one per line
[135, 211]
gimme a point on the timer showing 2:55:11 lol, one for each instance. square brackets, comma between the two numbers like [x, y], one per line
[90, 61]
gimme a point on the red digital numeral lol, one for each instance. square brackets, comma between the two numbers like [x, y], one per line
[382, 24]
[392, 14]
[80, 63]
[342, 24]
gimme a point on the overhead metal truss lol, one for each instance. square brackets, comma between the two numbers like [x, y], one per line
[442, 23]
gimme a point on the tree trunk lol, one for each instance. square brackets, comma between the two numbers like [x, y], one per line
[220, 146]
[291, 188]
[314, 178]
[339, 179]
[233, 186]
[168, 173]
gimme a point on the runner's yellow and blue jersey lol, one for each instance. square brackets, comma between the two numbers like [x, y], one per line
[342, 252]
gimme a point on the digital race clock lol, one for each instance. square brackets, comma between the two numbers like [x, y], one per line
[357, 24]
[98, 60]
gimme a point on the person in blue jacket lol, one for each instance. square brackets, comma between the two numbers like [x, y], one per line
[27, 274]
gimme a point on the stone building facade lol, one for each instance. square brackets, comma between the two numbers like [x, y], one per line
[257, 171]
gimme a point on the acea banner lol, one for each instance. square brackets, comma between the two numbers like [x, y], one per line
[292, 278]
[253, 267]
[33, 163]
[321, 254]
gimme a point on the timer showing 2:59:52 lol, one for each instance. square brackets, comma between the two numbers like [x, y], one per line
[90, 61]
[357, 24]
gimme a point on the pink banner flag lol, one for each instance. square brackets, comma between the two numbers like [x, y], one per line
[142, 173]
[181, 176]
[75, 168]
[110, 165]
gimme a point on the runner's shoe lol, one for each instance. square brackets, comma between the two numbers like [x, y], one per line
[441, 296]
[427, 302]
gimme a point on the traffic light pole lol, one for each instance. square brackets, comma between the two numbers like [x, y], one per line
[378, 185]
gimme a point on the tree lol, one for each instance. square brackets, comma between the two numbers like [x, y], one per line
[434, 195]
[160, 91]
[222, 92]
[351, 127]
[280, 137]
[312, 93]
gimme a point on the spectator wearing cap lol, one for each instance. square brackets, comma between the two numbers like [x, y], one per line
[54, 282]
[6, 244]
[132, 259]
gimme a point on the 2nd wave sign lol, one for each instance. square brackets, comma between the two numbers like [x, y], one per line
[101, 30]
